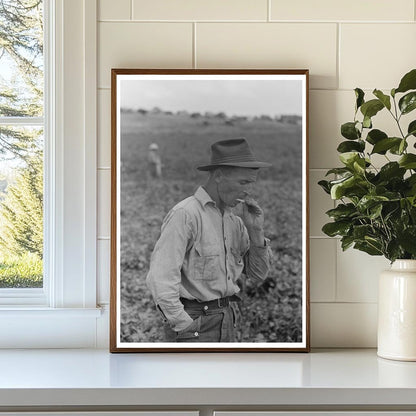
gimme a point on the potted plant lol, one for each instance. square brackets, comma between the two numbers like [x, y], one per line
[376, 209]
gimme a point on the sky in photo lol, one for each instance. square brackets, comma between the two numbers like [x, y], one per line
[233, 97]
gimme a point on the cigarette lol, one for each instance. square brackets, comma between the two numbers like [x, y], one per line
[240, 200]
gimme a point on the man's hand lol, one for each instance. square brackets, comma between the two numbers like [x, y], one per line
[253, 218]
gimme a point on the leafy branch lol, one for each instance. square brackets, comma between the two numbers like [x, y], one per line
[376, 211]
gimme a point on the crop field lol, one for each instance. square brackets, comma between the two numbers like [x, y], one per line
[271, 311]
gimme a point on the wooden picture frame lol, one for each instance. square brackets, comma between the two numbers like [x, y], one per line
[163, 124]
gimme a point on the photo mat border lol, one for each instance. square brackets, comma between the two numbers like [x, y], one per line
[115, 195]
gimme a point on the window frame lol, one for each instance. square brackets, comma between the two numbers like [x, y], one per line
[67, 301]
[37, 296]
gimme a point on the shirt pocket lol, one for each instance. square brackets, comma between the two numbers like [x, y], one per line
[206, 262]
[237, 263]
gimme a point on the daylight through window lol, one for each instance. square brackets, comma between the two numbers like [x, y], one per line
[21, 143]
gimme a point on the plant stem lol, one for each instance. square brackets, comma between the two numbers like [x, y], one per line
[397, 118]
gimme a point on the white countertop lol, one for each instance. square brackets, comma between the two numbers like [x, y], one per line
[96, 377]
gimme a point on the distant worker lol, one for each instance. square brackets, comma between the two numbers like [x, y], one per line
[154, 161]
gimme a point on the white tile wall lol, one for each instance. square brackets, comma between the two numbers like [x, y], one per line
[339, 325]
[200, 10]
[114, 10]
[357, 275]
[270, 45]
[331, 108]
[345, 44]
[142, 45]
[341, 10]
[323, 269]
[104, 128]
[104, 202]
[389, 52]
[328, 110]
[103, 271]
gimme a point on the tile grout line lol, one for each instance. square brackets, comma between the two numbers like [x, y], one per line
[310, 89]
[131, 9]
[343, 303]
[194, 63]
[322, 237]
[338, 63]
[308, 22]
[269, 11]
[336, 271]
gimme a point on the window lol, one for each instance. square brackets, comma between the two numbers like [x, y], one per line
[63, 313]
[22, 130]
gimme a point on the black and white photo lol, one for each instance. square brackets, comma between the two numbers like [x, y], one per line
[209, 243]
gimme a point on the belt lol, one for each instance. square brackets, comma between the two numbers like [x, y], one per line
[210, 304]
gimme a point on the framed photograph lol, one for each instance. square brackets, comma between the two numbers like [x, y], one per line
[209, 211]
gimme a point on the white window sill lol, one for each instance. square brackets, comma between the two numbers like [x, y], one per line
[37, 312]
[331, 379]
[40, 327]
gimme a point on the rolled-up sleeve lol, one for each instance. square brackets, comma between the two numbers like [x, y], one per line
[164, 275]
[258, 261]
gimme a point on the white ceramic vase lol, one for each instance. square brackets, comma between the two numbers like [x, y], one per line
[397, 312]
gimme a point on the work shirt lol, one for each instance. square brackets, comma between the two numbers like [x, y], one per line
[200, 255]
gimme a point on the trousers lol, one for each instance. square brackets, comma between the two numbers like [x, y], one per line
[214, 321]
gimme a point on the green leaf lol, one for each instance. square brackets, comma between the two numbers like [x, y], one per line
[367, 122]
[342, 179]
[338, 189]
[383, 145]
[407, 239]
[375, 211]
[374, 136]
[411, 130]
[368, 248]
[369, 201]
[371, 108]
[411, 183]
[408, 82]
[359, 165]
[402, 147]
[350, 146]
[336, 228]
[349, 131]
[391, 170]
[408, 161]
[408, 102]
[361, 231]
[385, 99]
[325, 186]
[398, 149]
[391, 211]
[338, 171]
[393, 92]
[412, 180]
[359, 94]
[346, 242]
[393, 250]
[350, 158]
[342, 211]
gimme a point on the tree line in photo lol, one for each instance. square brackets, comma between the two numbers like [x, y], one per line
[228, 120]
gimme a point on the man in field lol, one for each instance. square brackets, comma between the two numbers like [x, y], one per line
[204, 248]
